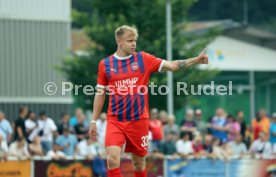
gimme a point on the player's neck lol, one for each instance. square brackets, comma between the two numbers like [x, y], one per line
[121, 53]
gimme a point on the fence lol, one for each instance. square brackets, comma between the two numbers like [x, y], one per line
[155, 168]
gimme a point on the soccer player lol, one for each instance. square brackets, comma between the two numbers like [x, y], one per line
[124, 75]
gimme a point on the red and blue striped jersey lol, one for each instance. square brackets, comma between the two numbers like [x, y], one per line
[126, 81]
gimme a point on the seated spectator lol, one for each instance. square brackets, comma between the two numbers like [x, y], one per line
[233, 128]
[184, 146]
[238, 148]
[31, 126]
[172, 127]
[198, 147]
[220, 151]
[67, 142]
[3, 149]
[261, 147]
[81, 129]
[188, 124]
[65, 124]
[35, 147]
[218, 125]
[55, 153]
[168, 146]
[273, 129]
[90, 149]
[208, 144]
[19, 149]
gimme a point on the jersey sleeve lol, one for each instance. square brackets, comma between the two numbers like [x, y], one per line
[102, 79]
[153, 63]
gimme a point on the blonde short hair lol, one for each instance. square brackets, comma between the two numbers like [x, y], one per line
[120, 31]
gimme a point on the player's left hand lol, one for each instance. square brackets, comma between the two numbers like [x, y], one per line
[203, 57]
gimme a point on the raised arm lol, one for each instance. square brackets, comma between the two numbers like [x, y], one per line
[176, 65]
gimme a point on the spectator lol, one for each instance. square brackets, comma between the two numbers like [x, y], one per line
[35, 147]
[156, 128]
[237, 147]
[67, 142]
[168, 146]
[5, 128]
[81, 128]
[188, 124]
[74, 120]
[261, 147]
[101, 128]
[31, 126]
[233, 128]
[55, 153]
[171, 126]
[218, 125]
[47, 129]
[3, 149]
[220, 150]
[249, 136]
[90, 149]
[163, 116]
[240, 119]
[260, 124]
[20, 129]
[273, 129]
[198, 147]
[200, 124]
[208, 144]
[65, 117]
[184, 146]
[19, 149]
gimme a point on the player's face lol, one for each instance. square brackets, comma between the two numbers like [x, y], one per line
[128, 43]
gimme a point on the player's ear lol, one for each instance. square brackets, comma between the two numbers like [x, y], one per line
[118, 40]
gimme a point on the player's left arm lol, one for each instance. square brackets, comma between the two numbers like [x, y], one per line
[176, 65]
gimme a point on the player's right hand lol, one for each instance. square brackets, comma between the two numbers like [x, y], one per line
[93, 131]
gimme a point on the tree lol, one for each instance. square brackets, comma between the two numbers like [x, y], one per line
[149, 17]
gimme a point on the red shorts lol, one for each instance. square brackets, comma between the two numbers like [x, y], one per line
[133, 133]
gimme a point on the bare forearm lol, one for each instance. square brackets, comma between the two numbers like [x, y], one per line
[179, 64]
[186, 63]
[98, 105]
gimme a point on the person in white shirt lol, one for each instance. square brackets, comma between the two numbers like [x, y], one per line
[90, 149]
[238, 148]
[184, 146]
[19, 149]
[31, 126]
[101, 128]
[55, 153]
[261, 147]
[47, 129]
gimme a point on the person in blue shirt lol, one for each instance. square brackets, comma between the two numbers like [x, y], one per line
[272, 130]
[5, 128]
[67, 142]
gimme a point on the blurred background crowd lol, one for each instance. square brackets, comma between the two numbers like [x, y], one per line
[220, 136]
